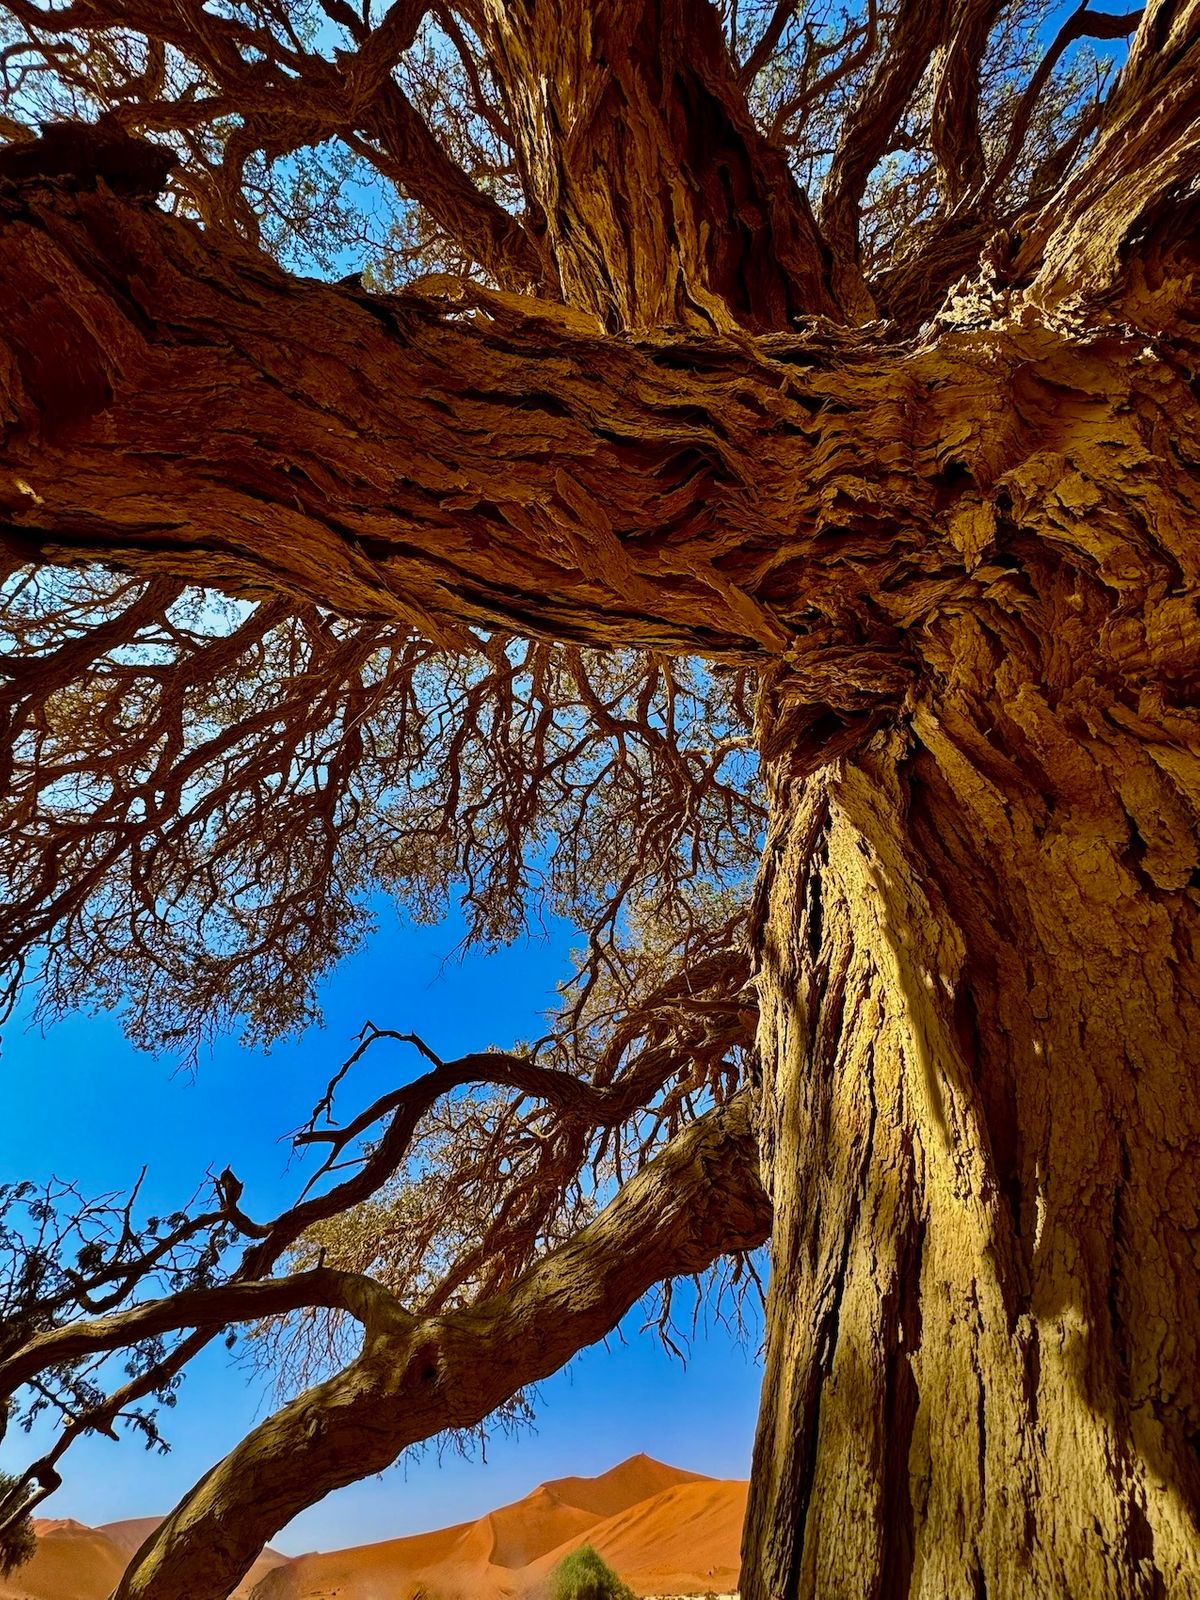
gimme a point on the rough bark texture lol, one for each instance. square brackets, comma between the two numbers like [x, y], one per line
[662, 202]
[980, 981]
[384, 458]
[980, 989]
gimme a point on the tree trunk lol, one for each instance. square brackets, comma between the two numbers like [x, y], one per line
[980, 989]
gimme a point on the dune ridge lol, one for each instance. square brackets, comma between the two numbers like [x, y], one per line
[75, 1562]
[667, 1531]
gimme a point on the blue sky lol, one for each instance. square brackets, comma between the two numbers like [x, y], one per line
[79, 1102]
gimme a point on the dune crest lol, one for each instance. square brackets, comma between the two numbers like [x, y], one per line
[75, 1562]
[665, 1530]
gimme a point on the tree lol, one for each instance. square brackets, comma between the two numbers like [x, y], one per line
[851, 354]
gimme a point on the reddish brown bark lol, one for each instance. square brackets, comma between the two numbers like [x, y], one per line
[662, 202]
[518, 468]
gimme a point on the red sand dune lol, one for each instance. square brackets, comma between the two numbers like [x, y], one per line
[685, 1540]
[664, 1530]
[74, 1562]
[623, 1486]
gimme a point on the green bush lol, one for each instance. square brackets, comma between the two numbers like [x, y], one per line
[584, 1576]
[18, 1542]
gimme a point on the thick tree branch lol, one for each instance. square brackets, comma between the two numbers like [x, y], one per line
[1135, 196]
[696, 1201]
[505, 469]
[768, 41]
[1083, 23]
[663, 203]
[950, 246]
[192, 1308]
[403, 148]
[955, 132]
[918, 28]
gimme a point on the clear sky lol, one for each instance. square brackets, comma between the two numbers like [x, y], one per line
[78, 1102]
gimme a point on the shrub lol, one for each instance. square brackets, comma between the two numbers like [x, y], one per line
[584, 1576]
[17, 1543]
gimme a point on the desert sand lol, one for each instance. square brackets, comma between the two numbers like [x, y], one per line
[666, 1531]
[75, 1562]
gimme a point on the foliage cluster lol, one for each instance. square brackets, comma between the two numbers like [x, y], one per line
[585, 1575]
[17, 1538]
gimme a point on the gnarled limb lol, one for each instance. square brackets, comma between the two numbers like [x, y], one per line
[662, 201]
[1121, 231]
[1132, 197]
[697, 1200]
[510, 469]
[191, 1308]
[517, 1155]
[954, 131]
[1083, 23]
[916, 31]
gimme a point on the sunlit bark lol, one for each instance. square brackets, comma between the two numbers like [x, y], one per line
[980, 990]
[979, 987]
[662, 203]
